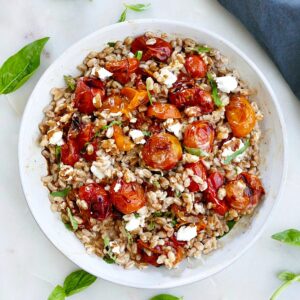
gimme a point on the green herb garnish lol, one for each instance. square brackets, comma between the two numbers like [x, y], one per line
[174, 222]
[290, 236]
[111, 124]
[151, 225]
[58, 155]
[73, 221]
[146, 133]
[136, 215]
[129, 237]
[230, 225]
[231, 157]
[177, 194]
[201, 49]
[109, 256]
[214, 88]
[166, 297]
[61, 193]
[111, 44]
[138, 7]
[138, 55]
[74, 283]
[156, 184]
[18, 68]
[196, 151]
[68, 226]
[70, 82]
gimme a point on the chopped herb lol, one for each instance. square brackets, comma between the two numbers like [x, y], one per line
[149, 94]
[174, 222]
[156, 184]
[146, 133]
[138, 7]
[177, 194]
[70, 82]
[111, 44]
[237, 153]
[201, 49]
[151, 225]
[166, 214]
[106, 242]
[123, 16]
[68, 226]
[61, 193]
[214, 88]
[111, 124]
[230, 225]
[138, 55]
[196, 151]
[73, 221]
[58, 155]
[109, 256]
[129, 237]
[290, 236]
[136, 215]
[109, 259]
[166, 297]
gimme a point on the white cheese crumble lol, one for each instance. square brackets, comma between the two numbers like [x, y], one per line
[228, 150]
[56, 138]
[168, 78]
[137, 136]
[176, 128]
[226, 83]
[101, 73]
[117, 187]
[186, 233]
[133, 223]
[115, 248]
[97, 172]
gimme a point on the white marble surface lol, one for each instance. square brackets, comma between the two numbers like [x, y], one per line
[30, 266]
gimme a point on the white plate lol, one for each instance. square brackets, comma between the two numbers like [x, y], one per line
[33, 165]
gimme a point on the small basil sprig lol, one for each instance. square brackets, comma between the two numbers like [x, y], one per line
[230, 225]
[111, 124]
[109, 257]
[214, 89]
[58, 154]
[138, 55]
[231, 157]
[18, 68]
[166, 297]
[287, 278]
[74, 283]
[135, 7]
[73, 222]
[201, 49]
[290, 236]
[196, 151]
[70, 82]
[146, 133]
[61, 193]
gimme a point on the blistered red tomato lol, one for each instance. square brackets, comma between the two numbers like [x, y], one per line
[214, 182]
[90, 151]
[127, 197]
[86, 90]
[198, 170]
[97, 199]
[240, 115]
[85, 135]
[196, 66]
[162, 151]
[163, 111]
[70, 153]
[160, 49]
[199, 135]
[122, 69]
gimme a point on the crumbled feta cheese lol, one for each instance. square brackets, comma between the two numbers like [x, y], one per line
[231, 147]
[137, 136]
[133, 120]
[130, 55]
[115, 248]
[56, 138]
[226, 83]
[168, 78]
[133, 223]
[176, 128]
[97, 172]
[186, 233]
[102, 73]
[102, 167]
[117, 187]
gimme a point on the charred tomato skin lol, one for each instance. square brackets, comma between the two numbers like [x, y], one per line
[127, 197]
[162, 151]
[70, 153]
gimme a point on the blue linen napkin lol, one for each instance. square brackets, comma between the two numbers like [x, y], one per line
[276, 25]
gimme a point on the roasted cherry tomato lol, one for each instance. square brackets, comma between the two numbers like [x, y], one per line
[89, 153]
[122, 141]
[127, 197]
[135, 97]
[86, 90]
[200, 171]
[244, 192]
[160, 50]
[163, 111]
[154, 253]
[97, 199]
[70, 153]
[240, 115]
[162, 151]
[122, 69]
[196, 66]
[113, 103]
[199, 135]
[214, 182]
[85, 135]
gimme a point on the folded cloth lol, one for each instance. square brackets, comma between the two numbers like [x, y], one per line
[276, 25]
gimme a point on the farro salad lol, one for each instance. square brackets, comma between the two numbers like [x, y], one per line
[153, 151]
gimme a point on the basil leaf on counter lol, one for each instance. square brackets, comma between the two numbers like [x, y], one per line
[214, 89]
[196, 151]
[61, 193]
[290, 236]
[58, 293]
[18, 68]
[138, 7]
[166, 297]
[78, 281]
[286, 276]
[123, 16]
[231, 157]
[73, 221]
[70, 82]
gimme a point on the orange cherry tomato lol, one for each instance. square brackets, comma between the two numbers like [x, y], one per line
[122, 69]
[199, 170]
[163, 111]
[135, 97]
[240, 115]
[127, 197]
[122, 141]
[162, 151]
[199, 135]
[196, 66]
[113, 103]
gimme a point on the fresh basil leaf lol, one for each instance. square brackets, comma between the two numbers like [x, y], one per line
[138, 55]
[111, 124]
[108, 259]
[174, 222]
[123, 16]
[166, 297]
[73, 221]
[284, 286]
[70, 82]
[286, 276]
[78, 281]
[61, 193]
[106, 242]
[146, 133]
[201, 49]
[231, 157]
[148, 93]
[136, 215]
[138, 7]
[68, 226]
[18, 68]
[109, 256]
[290, 236]
[230, 225]
[58, 293]
[196, 151]
[111, 44]
[214, 88]
[58, 154]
